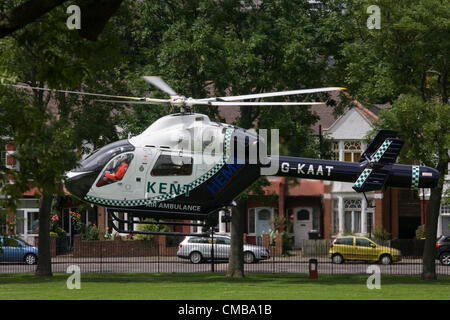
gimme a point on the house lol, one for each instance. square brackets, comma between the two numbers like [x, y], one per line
[444, 216]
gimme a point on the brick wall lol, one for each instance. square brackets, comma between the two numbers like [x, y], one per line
[52, 245]
[122, 248]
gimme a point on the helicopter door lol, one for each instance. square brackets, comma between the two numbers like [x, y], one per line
[133, 184]
[169, 175]
[116, 180]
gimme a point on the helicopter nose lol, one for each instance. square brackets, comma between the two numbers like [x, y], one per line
[79, 183]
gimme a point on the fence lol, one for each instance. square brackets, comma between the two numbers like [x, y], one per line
[160, 256]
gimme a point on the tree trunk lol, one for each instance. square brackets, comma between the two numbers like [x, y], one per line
[25, 13]
[44, 262]
[236, 262]
[429, 252]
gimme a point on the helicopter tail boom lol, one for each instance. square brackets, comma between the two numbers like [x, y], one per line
[375, 169]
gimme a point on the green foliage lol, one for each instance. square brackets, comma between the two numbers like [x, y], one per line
[381, 234]
[151, 228]
[89, 232]
[407, 55]
[424, 125]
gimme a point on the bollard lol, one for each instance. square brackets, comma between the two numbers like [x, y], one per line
[313, 273]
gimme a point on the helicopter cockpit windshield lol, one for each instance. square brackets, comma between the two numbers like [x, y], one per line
[98, 159]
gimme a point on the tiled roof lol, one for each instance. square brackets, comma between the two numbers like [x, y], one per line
[306, 188]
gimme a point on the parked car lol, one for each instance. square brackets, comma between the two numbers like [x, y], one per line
[443, 250]
[362, 249]
[198, 249]
[16, 250]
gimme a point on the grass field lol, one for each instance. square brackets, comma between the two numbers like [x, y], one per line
[208, 286]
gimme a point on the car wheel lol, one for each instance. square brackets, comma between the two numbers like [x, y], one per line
[386, 259]
[195, 257]
[30, 259]
[445, 258]
[337, 259]
[249, 257]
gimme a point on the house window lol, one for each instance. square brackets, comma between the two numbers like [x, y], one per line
[251, 221]
[228, 227]
[352, 216]
[264, 214]
[369, 222]
[303, 215]
[335, 217]
[352, 150]
[335, 150]
[445, 209]
[27, 221]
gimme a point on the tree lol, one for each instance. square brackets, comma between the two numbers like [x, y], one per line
[426, 128]
[404, 64]
[51, 127]
[95, 15]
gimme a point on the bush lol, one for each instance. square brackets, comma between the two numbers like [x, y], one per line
[380, 234]
[89, 232]
[152, 228]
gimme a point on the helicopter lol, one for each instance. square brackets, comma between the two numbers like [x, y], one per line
[185, 166]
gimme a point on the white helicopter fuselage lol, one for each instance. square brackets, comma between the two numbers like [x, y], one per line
[170, 167]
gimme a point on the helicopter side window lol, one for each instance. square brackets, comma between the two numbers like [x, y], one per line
[171, 165]
[115, 170]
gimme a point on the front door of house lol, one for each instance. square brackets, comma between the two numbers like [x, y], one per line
[303, 221]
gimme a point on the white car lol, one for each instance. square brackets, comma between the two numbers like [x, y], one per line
[198, 249]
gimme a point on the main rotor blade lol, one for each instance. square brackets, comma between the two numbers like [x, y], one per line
[147, 101]
[276, 94]
[160, 84]
[74, 92]
[237, 103]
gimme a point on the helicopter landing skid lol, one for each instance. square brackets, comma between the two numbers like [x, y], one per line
[208, 223]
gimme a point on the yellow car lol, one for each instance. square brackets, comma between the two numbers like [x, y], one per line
[361, 249]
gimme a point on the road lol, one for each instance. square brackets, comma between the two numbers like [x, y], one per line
[177, 265]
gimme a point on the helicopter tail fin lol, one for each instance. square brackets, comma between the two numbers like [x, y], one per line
[383, 150]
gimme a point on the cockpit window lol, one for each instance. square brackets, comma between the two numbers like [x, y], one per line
[98, 159]
[172, 165]
[115, 170]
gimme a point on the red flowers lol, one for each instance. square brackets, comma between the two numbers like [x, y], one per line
[74, 215]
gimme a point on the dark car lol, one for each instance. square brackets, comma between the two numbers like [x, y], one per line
[443, 250]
